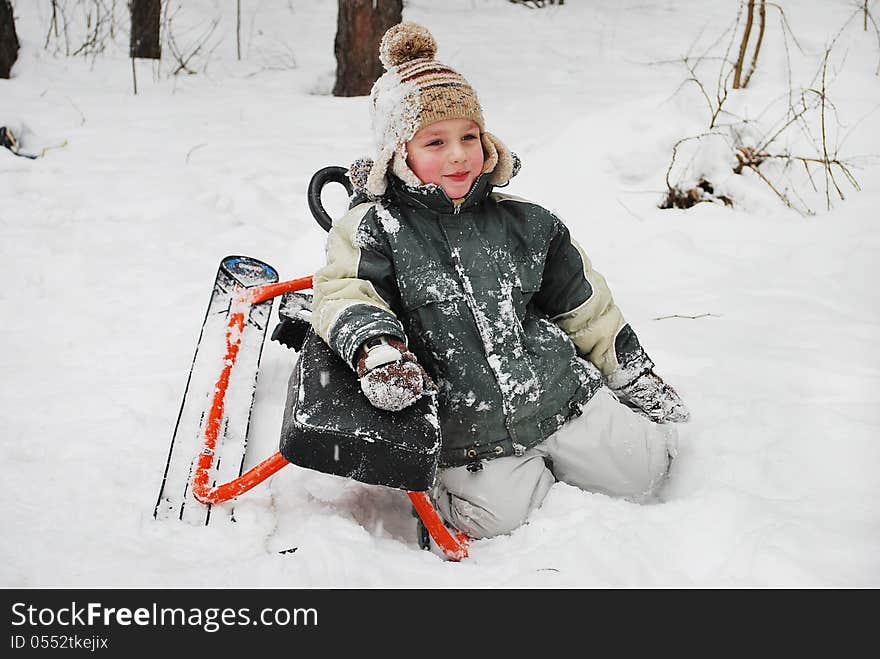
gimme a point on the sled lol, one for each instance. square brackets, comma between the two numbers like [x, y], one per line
[328, 424]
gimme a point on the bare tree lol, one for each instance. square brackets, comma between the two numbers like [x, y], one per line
[794, 149]
[81, 27]
[8, 39]
[145, 29]
[360, 25]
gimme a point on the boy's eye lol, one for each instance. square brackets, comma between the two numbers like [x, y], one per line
[434, 143]
[470, 136]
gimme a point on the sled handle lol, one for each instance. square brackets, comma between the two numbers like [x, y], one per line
[332, 174]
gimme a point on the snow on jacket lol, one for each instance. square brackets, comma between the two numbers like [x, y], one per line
[498, 303]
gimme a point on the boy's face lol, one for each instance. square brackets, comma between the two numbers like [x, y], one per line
[448, 153]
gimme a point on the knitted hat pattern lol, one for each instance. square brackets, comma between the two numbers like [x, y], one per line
[416, 90]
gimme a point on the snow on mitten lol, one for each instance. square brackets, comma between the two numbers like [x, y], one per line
[656, 399]
[390, 376]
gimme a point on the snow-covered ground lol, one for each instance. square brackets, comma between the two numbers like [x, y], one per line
[112, 239]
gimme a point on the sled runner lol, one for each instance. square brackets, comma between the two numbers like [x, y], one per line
[328, 424]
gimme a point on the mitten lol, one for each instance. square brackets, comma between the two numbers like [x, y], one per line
[649, 394]
[390, 376]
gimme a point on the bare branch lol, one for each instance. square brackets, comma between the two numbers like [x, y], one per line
[784, 199]
[675, 151]
[702, 315]
[762, 14]
[181, 55]
[737, 69]
[791, 120]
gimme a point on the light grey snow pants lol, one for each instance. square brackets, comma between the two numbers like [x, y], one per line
[608, 449]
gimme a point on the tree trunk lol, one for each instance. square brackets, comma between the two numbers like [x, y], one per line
[8, 39]
[360, 25]
[145, 29]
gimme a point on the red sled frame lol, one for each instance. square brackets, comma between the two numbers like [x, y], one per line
[453, 546]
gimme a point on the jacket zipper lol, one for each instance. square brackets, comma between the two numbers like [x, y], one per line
[457, 207]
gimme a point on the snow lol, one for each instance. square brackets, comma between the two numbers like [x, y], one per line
[389, 222]
[396, 112]
[112, 239]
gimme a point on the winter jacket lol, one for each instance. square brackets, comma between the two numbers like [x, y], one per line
[499, 304]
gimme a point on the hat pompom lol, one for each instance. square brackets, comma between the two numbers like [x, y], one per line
[404, 42]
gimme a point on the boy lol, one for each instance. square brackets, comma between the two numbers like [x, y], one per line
[435, 284]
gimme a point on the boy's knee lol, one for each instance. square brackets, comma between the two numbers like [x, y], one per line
[659, 456]
[478, 522]
[613, 450]
[495, 500]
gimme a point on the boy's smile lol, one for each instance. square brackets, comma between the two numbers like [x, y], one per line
[448, 153]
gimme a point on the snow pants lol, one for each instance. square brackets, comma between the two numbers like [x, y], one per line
[607, 449]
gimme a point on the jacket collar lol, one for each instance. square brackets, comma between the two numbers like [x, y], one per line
[434, 198]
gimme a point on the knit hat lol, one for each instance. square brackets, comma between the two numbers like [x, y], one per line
[416, 90]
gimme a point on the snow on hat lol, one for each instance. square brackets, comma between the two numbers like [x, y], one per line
[415, 91]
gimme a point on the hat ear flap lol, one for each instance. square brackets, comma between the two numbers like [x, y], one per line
[395, 161]
[490, 154]
[498, 160]
[376, 181]
[402, 170]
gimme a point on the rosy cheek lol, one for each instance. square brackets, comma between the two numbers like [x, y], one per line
[478, 156]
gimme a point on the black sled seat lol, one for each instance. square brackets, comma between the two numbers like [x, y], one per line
[331, 427]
